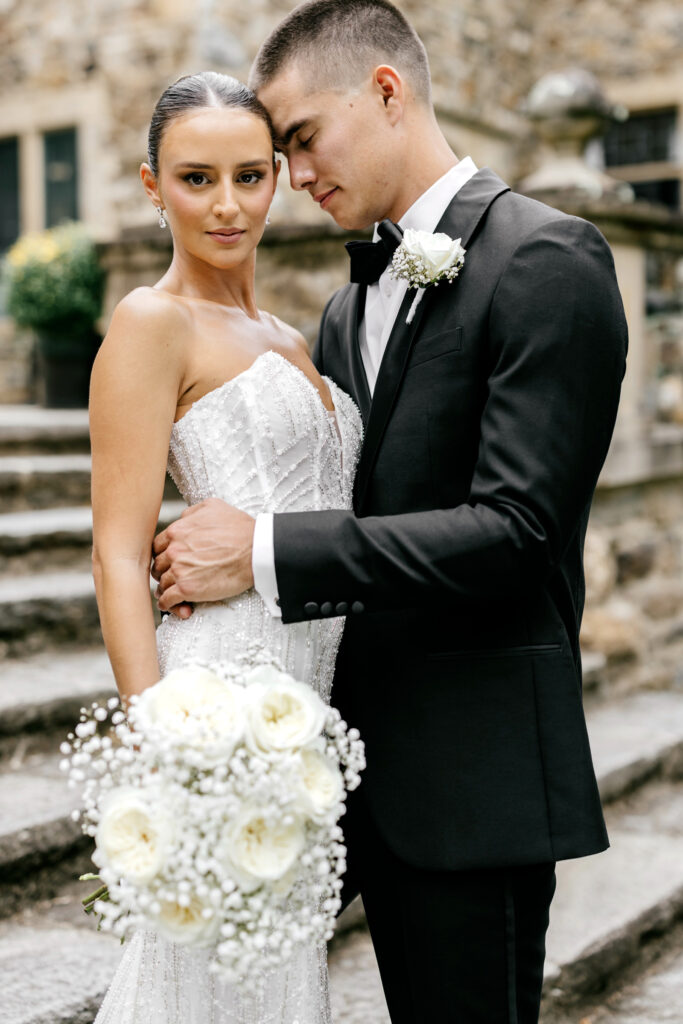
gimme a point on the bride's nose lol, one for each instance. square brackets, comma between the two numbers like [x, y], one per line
[225, 203]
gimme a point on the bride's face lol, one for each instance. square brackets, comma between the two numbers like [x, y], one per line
[216, 182]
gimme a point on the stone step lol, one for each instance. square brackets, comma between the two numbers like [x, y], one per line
[41, 696]
[55, 975]
[608, 907]
[41, 847]
[44, 481]
[55, 537]
[30, 481]
[651, 994]
[39, 611]
[31, 429]
[636, 738]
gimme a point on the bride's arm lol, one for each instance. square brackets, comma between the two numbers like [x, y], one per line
[135, 385]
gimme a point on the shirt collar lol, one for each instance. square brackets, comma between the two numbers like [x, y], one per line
[429, 208]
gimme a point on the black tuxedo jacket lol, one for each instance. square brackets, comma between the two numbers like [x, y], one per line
[461, 565]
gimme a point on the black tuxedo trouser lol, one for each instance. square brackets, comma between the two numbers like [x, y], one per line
[453, 947]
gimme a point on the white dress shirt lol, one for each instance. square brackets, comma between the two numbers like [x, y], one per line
[382, 303]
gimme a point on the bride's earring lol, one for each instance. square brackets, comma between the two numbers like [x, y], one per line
[268, 219]
[162, 219]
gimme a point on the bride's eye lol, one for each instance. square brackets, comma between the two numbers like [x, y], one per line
[250, 177]
[196, 178]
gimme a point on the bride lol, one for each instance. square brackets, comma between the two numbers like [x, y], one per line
[193, 377]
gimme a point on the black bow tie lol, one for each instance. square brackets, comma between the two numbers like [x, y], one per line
[369, 259]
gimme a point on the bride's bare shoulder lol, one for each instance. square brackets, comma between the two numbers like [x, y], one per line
[291, 332]
[155, 312]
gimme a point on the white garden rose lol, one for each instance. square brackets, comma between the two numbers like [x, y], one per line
[437, 251]
[195, 709]
[322, 784]
[134, 834]
[192, 922]
[262, 846]
[281, 714]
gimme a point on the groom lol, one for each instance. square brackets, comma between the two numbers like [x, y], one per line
[488, 415]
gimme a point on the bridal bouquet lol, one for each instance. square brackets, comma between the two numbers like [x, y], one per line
[214, 804]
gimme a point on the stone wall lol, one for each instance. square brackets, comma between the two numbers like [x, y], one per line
[634, 584]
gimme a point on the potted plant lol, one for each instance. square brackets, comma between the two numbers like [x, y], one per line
[55, 287]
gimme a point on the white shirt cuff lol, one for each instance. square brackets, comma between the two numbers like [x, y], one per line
[263, 563]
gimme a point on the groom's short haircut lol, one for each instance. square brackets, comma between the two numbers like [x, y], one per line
[338, 43]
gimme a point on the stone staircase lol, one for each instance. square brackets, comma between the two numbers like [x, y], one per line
[615, 946]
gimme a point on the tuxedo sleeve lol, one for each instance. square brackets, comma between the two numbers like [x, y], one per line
[557, 347]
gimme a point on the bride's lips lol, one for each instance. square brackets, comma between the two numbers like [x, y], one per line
[324, 197]
[226, 236]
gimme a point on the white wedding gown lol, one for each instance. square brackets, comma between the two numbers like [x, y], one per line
[263, 442]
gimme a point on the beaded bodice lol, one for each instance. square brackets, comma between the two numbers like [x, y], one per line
[263, 442]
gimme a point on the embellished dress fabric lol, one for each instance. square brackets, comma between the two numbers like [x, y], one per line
[263, 442]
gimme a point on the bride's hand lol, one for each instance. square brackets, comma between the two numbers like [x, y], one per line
[204, 556]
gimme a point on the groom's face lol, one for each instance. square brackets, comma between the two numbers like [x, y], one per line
[339, 145]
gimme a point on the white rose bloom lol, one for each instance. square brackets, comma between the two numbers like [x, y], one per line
[281, 714]
[187, 924]
[321, 781]
[134, 834]
[438, 252]
[262, 848]
[194, 708]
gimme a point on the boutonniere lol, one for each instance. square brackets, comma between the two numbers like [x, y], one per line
[424, 259]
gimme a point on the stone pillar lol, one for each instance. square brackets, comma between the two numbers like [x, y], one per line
[632, 420]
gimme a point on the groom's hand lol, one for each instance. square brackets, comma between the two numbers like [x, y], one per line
[203, 556]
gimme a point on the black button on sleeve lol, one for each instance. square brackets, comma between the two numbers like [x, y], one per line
[311, 609]
[357, 607]
[342, 608]
[327, 608]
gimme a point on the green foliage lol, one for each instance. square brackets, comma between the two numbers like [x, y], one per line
[55, 284]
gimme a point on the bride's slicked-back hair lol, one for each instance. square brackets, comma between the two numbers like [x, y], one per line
[206, 89]
[338, 42]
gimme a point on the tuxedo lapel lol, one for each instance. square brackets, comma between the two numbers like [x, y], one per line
[359, 382]
[463, 214]
[460, 220]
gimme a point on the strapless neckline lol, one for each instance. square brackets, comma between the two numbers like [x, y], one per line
[215, 392]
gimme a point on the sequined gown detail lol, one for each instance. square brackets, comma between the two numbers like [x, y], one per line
[263, 442]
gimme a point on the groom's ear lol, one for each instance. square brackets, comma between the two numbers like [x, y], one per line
[389, 84]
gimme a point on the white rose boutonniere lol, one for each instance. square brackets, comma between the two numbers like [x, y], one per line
[424, 259]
